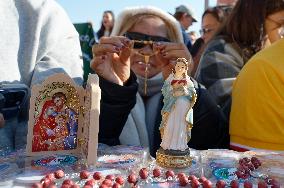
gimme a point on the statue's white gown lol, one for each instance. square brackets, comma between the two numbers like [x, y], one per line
[176, 131]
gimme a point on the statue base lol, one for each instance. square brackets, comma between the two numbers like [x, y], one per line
[173, 158]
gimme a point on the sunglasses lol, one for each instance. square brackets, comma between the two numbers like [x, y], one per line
[226, 8]
[141, 40]
[279, 25]
[205, 30]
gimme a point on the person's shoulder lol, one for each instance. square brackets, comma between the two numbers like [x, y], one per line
[51, 15]
[273, 53]
[218, 43]
[44, 5]
[268, 61]
[217, 40]
[271, 56]
[220, 47]
[39, 4]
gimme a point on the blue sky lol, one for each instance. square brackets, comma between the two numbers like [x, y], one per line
[91, 10]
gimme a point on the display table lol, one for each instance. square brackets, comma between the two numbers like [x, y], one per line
[19, 170]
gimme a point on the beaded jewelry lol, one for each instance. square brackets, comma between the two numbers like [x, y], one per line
[146, 59]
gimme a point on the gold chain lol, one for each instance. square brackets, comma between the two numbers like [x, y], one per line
[146, 61]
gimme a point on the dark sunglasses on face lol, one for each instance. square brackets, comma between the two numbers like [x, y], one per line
[141, 40]
[205, 31]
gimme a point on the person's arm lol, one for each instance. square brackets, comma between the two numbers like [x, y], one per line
[116, 104]
[219, 66]
[210, 127]
[58, 45]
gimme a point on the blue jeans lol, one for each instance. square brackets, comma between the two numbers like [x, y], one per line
[13, 135]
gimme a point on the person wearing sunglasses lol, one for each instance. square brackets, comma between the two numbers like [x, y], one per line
[244, 33]
[144, 44]
[212, 19]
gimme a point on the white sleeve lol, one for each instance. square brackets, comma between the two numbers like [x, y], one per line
[59, 46]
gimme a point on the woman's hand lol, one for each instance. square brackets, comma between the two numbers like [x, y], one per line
[167, 55]
[111, 59]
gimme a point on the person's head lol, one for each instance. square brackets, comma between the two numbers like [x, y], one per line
[246, 24]
[108, 19]
[212, 19]
[59, 99]
[60, 119]
[193, 36]
[161, 27]
[107, 22]
[181, 67]
[185, 16]
[274, 21]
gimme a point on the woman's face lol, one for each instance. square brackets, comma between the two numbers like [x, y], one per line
[274, 25]
[186, 21]
[180, 68]
[210, 25]
[155, 27]
[107, 20]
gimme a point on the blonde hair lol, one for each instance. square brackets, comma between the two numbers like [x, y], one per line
[139, 18]
[131, 16]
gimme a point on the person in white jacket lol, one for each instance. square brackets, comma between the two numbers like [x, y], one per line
[37, 40]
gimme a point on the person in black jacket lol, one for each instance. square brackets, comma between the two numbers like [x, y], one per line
[126, 54]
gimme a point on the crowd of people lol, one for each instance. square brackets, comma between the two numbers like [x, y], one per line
[236, 68]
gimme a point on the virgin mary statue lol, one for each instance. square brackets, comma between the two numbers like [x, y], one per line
[177, 114]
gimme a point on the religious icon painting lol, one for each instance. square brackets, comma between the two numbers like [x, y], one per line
[56, 117]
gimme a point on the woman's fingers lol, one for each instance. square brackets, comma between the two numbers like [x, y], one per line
[173, 51]
[110, 45]
[102, 49]
[167, 46]
[103, 67]
[97, 62]
[125, 52]
[118, 41]
[175, 54]
[167, 55]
